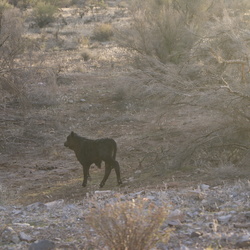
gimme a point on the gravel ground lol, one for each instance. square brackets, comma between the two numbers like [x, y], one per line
[203, 217]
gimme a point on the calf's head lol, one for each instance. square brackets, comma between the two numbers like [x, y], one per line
[71, 141]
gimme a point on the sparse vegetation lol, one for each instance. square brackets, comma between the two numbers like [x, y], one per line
[11, 47]
[171, 88]
[164, 29]
[4, 5]
[44, 13]
[102, 32]
[129, 224]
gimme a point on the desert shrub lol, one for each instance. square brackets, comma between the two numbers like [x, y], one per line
[44, 13]
[23, 4]
[11, 46]
[4, 5]
[156, 29]
[86, 55]
[129, 224]
[225, 46]
[96, 3]
[102, 32]
[58, 3]
[164, 29]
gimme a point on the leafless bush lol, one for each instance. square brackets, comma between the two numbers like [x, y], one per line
[129, 224]
[225, 46]
[19, 81]
[217, 66]
[11, 47]
[164, 29]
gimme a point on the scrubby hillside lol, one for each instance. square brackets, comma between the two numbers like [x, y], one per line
[176, 102]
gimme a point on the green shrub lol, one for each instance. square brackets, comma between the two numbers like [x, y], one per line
[102, 32]
[129, 225]
[44, 13]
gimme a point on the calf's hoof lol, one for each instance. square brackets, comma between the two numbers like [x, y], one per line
[119, 182]
[101, 184]
[84, 184]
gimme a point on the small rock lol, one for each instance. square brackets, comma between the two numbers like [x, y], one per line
[54, 204]
[244, 242]
[17, 211]
[24, 237]
[204, 187]
[10, 236]
[183, 247]
[174, 223]
[2, 208]
[138, 194]
[42, 245]
[27, 225]
[37, 206]
[192, 214]
[82, 100]
[150, 197]
[98, 192]
[224, 219]
[131, 179]
[176, 215]
[138, 172]
[196, 234]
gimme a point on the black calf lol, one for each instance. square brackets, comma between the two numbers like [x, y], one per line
[94, 151]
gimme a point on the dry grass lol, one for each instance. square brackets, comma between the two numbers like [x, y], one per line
[129, 224]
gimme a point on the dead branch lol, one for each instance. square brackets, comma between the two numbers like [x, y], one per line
[191, 147]
[227, 87]
[243, 62]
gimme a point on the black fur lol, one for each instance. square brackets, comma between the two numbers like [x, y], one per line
[94, 151]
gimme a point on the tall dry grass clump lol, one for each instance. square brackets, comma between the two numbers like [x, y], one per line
[129, 225]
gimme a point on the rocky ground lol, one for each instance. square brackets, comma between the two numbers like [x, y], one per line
[201, 217]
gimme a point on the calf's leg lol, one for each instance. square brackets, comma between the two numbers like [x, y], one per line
[106, 175]
[117, 171]
[85, 175]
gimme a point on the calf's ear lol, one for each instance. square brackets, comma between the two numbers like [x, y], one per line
[72, 134]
